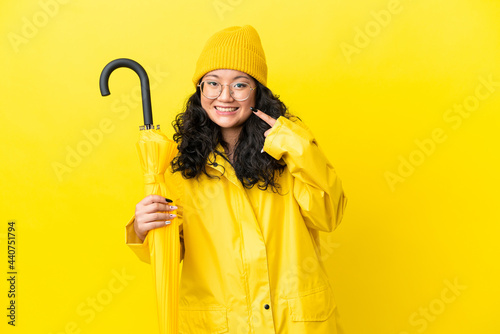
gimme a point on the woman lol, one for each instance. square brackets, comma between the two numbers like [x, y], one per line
[252, 189]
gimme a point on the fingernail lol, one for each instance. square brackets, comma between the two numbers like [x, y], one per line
[173, 207]
[253, 109]
[172, 215]
[168, 200]
[167, 222]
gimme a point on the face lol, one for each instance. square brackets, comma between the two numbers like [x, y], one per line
[225, 111]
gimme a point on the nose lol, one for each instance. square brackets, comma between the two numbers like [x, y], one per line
[225, 94]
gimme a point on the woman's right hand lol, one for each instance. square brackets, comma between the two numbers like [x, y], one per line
[152, 212]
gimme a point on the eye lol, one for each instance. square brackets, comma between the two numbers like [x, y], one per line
[240, 85]
[212, 83]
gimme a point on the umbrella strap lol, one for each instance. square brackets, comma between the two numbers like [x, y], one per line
[153, 178]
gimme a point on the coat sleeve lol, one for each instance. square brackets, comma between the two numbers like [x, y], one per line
[317, 188]
[140, 248]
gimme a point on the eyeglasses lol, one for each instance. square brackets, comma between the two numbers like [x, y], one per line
[211, 89]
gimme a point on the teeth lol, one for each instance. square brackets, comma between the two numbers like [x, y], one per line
[226, 109]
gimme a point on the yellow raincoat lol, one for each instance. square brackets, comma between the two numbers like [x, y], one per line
[252, 261]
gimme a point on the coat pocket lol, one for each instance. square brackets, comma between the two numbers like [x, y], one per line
[315, 305]
[209, 320]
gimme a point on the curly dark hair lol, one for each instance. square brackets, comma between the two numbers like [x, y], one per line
[197, 136]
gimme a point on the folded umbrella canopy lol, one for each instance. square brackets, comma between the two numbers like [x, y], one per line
[156, 152]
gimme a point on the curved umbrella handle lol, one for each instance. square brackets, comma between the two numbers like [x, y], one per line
[137, 68]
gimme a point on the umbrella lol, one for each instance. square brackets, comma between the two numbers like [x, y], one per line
[155, 153]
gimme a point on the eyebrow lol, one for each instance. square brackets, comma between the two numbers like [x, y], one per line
[238, 77]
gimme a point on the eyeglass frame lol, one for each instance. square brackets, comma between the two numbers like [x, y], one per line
[221, 89]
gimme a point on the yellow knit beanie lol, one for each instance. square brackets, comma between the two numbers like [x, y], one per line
[234, 48]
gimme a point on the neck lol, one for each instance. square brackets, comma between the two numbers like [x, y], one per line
[230, 136]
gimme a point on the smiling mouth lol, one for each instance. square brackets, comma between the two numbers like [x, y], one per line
[226, 109]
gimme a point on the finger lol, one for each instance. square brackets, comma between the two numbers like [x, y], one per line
[145, 228]
[157, 216]
[267, 132]
[150, 199]
[156, 224]
[156, 207]
[265, 117]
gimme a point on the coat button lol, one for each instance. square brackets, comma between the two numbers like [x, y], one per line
[215, 164]
[266, 306]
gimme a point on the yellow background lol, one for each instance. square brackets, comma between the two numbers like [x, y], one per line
[375, 89]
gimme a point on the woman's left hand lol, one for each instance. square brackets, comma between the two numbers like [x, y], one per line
[266, 118]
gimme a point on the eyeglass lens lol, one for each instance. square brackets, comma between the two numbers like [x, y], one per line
[238, 90]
